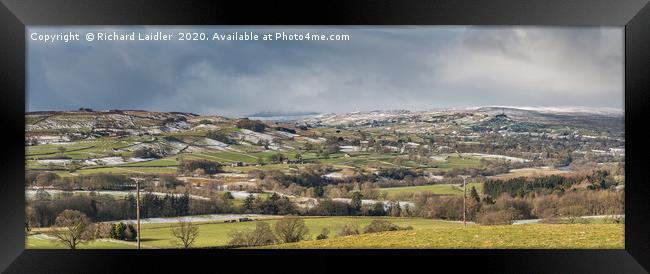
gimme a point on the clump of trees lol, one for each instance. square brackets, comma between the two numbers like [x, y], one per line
[102, 181]
[289, 229]
[169, 182]
[261, 235]
[503, 216]
[146, 152]
[277, 157]
[328, 207]
[505, 209]
[395, 209]
[123, 231]
[273, 205]
[397, 173]
[579, 203]
[98, 208]
[324, 234]
[443, 207]
[330, 146]
[44, 208]
[61, 150]
[164, 206]
[253, 125]
[193, 166]
[383, 225]
[349, 229]
[289, 130]
[310, 177]
[522, 186]
[220, 136]
[41, 179]
[174, 119]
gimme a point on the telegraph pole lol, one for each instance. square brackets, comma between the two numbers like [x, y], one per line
[137, 206]
[464, 194]
[464, 200]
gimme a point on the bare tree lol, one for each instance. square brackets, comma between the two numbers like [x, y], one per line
[291, 229]
[185, 234]
[71, 228]
[261, 235]
[61, 150]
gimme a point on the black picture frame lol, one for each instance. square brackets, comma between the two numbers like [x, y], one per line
[15, 15]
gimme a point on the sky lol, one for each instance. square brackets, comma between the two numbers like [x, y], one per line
[379, 68]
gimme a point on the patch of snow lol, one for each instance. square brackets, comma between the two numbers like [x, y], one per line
[333, 175]
[440, 157]
[286, 134]
[54, 161]
[311, 140]
[392, 148]
[372, 202]
[111, 160]
[53, 139]
[32, 192]
[349, 148]
[204, 126]
[212, 142]
[115, 160]
[254, 137]
[242, 194]
[198, 218]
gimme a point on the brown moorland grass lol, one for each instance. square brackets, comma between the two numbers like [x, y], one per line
[529, 236]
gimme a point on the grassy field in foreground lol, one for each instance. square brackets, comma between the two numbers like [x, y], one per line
[560, 236]
[35, 242]
[216, 233]
[426, 233]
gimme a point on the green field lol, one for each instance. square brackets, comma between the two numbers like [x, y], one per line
[81, 150]
[282, 167]
[104, 147]
[426, 233]
[361, 159]
[458, 162]
[216, 233]
[441, 189]
[36, 242]
[394, 160]
[164, 162]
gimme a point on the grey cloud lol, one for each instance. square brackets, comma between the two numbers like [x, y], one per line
[380, 68]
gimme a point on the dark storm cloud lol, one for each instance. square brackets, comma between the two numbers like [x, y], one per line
[379, 68]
